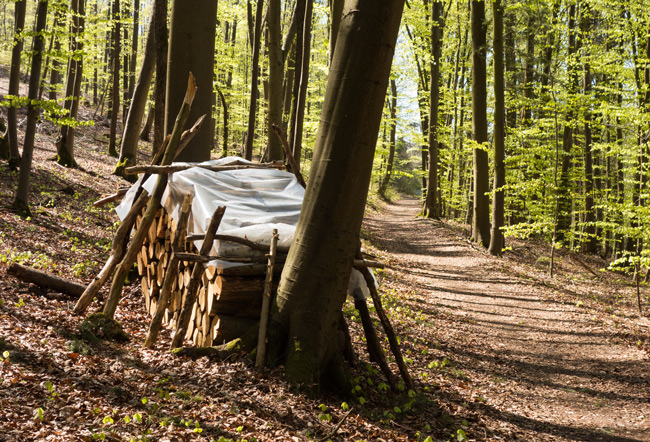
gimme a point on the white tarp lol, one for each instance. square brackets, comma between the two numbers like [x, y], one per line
[257, 201]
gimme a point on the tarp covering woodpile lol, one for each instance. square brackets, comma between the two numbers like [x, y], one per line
[257, 201]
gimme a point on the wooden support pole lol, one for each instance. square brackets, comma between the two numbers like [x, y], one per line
[290, 158]
[153, 205]
[180, 167]
[197, 272]
[388, 328]
[266, 302]
[117, 252]
[170, 274]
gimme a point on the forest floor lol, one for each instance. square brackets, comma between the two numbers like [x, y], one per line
[498, 350]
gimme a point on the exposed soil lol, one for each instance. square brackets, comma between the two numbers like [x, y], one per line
[537, 358]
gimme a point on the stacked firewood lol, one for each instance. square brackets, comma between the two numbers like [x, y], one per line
[228, 301]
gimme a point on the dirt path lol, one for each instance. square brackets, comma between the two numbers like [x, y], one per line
[533, 367]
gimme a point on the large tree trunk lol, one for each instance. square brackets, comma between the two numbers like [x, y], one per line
[432, 204]
[14, 82]
[315, 276]
[21, 203]
[191, 49]
[276, 64]
[255, 71]
[129, 145]
[65, 140]
[481, 206]
[496, 236]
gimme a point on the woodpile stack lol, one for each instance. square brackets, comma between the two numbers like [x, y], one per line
[228, 301]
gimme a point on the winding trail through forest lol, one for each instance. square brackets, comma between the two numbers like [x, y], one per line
[544, 369]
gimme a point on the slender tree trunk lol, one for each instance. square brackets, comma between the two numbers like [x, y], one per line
[65, 141]
[276, 74]
[14, 83]
[115, 95]
[496, 236]
[316, 274]
[21, 202]
[129, 144]
[134, 47]
[186, 55]
[255, 69]
[304, 80]
[565, 201]
[481, 206]
[55, 73]
[392, 138]
[162, 41]
[590, 219]
[432, 203]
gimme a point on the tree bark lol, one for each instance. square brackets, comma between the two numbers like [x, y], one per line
[315, 276]
[276, 71]
[590, 218]
[46, 280]
[302, 84]
[496, 236]
[115, 95]
[21, 202]
[392, 138]
[14, 82]
[255, 70]
[129, 144]
[162, 42]
[432, 203]
[481, 206]
[191, 49]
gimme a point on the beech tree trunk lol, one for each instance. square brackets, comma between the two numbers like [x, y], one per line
[129, 144]
[21, 203]
[191, 49]
[115, 95]
[303, 81]
[590, 218]
[481, 206]
[14, 83]
[431, 203]
[276, 64]
[162, 42]
[496, 236]
[315, 276]
[65, 140]
[392, 138]
[255, 71]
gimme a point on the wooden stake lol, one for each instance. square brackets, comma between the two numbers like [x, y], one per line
[197, 271]
[266, 302]
[153, 205]
[287, 151]
[170, 274]
[117, 251]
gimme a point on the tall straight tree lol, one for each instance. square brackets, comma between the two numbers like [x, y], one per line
[129, 143]
[590, 218]
[392, 139]
[432, 204]
[65, 140]
[14, 82]
[481, 206]
[21, 202]
[316, 274]
[255, 72]
[496, 236]
[276, 71]
[302, 82]
[191, 49]
[162, 44]
[115, 95]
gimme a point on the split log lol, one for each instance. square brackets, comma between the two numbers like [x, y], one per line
[170, 275]
[266, 302]
[46, 280]
[197, 271]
